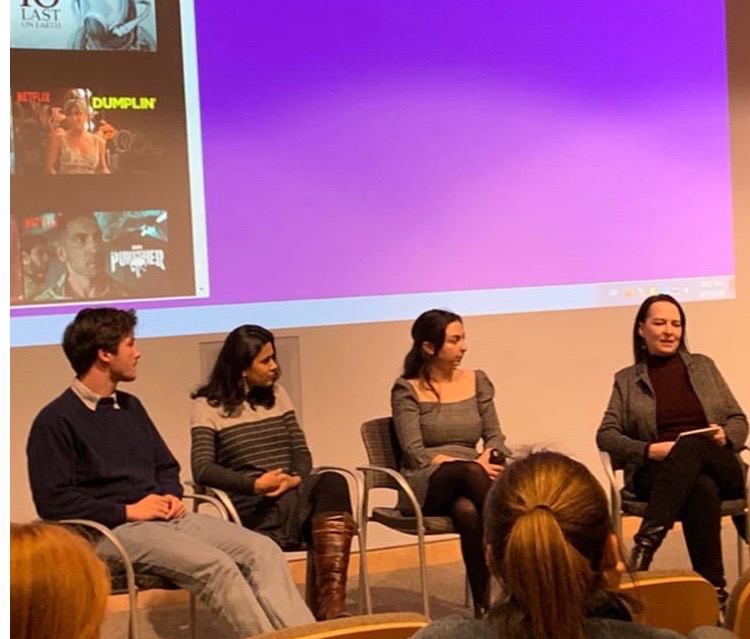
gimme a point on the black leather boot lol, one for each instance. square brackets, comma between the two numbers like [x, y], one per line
[647, 542]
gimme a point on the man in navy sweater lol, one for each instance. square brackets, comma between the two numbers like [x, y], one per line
[94, 453]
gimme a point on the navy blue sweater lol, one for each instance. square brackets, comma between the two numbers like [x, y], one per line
[91, 464]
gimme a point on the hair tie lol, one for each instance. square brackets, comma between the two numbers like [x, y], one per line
[542, 507]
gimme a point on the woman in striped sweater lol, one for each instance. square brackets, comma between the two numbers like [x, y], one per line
[246, 441]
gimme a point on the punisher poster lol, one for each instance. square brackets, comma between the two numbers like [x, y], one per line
[87, 255]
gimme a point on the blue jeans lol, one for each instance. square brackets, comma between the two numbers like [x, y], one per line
[240, 575]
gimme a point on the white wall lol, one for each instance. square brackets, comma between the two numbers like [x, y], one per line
[552, 371]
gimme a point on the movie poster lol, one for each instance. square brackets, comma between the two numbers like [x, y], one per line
[119, 118]
[83, 25]
[105, 255]
[82, 131]
[16, 275]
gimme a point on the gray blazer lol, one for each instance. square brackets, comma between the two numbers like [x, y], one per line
[629, 423]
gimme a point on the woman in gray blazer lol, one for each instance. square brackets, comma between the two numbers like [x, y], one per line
[647, 429]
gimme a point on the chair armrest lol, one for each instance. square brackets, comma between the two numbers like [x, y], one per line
[744, 455]
[615, 478]
[107, 533]
[216, 497]
[369, 471]
[124, 558]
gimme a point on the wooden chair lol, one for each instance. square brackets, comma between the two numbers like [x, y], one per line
[675, 600]
[125, 580]
[390, 625]
[738, 607]
[624, 503]
[352, 479]
[384, 455]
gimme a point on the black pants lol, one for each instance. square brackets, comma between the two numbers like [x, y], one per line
[690, 485]
[458, 489]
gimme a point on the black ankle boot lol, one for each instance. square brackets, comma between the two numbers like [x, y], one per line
[647, 542]
[722, 595]
[641, 557]
[482, 606]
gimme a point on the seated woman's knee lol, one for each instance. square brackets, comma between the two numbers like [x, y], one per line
[472, 472]
[333, 484]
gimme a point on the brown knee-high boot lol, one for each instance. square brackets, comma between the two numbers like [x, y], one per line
[331, 543]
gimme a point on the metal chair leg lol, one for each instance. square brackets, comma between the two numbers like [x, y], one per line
[423, 573]
[363, 569]
[365, 606]
[133, 614]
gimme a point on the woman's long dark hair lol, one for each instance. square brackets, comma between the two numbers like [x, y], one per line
[639, 344]
[226, 385]
[428, 327]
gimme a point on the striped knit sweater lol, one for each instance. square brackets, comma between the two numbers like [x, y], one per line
[231, 452]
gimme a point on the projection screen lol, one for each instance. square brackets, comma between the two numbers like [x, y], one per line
[312, 162]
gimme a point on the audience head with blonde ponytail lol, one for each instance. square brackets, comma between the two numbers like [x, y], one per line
[58, 586]
[549, 542]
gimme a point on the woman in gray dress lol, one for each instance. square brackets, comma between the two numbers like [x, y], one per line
[441, 412]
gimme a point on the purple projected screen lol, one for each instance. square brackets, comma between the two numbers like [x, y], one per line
[370, 147]
[385, 156]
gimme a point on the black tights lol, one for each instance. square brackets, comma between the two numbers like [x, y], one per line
[689, 485]
[458, 489]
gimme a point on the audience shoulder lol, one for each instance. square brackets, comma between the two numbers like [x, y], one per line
[456, 627]
[601, 627]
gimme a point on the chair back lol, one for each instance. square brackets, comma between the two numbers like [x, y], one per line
[738, 606]
[664, 596]
[383, 449]
[387, 625]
